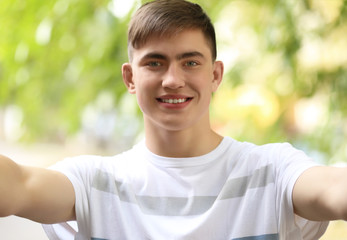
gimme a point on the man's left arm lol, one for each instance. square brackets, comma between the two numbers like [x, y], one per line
[320, 194]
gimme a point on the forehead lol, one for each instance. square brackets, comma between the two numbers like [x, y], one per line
[179, 43]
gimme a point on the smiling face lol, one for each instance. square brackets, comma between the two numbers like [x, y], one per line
[173, 79]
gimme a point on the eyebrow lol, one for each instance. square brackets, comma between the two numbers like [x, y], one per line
[189, 54]
[155, 55]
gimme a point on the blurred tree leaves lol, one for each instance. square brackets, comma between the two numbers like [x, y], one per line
[285, 79]
[298, 51]
[56, 56]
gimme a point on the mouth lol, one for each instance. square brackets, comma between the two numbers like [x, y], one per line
[174, 100]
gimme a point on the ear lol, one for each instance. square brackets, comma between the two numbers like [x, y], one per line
[127, 73]
[218, 70]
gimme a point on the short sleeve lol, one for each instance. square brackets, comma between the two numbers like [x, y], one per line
[289, 165]
[79, 171]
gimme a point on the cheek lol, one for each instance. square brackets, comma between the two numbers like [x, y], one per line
[205, 86]
[141, 102]
[145, 95]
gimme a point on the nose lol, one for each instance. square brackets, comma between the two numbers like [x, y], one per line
[173, 78]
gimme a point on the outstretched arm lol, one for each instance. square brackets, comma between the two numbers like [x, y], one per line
[320, 194]
[37, 194]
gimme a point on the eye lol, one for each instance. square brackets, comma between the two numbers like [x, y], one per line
[191, 64]
[154, 64]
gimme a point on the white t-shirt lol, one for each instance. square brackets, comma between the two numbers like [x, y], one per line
[237, 191]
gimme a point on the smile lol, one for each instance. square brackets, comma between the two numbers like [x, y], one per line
[174, 101]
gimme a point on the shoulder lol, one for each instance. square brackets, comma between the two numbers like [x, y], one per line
[273, 151]
[282, 157]
[250, 150]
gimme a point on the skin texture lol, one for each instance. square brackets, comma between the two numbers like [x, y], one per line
[38, 194]
[320, 194]
[179, 67]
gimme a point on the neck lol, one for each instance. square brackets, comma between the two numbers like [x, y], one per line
[182, 143]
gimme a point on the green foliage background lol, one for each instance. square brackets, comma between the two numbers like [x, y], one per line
[57, 57]
[51, 81]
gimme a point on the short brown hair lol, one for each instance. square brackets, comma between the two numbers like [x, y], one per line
[167, 18]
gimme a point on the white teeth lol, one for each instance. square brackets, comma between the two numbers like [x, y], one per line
[174, 101]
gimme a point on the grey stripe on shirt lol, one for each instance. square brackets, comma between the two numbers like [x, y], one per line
[182, 206]
[262, 237]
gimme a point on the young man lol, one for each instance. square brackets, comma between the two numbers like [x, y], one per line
[184, 181]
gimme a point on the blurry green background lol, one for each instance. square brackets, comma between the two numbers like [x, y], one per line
[285, 80]
[61, 91]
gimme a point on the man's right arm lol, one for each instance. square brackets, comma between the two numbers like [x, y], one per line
[38, 194]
